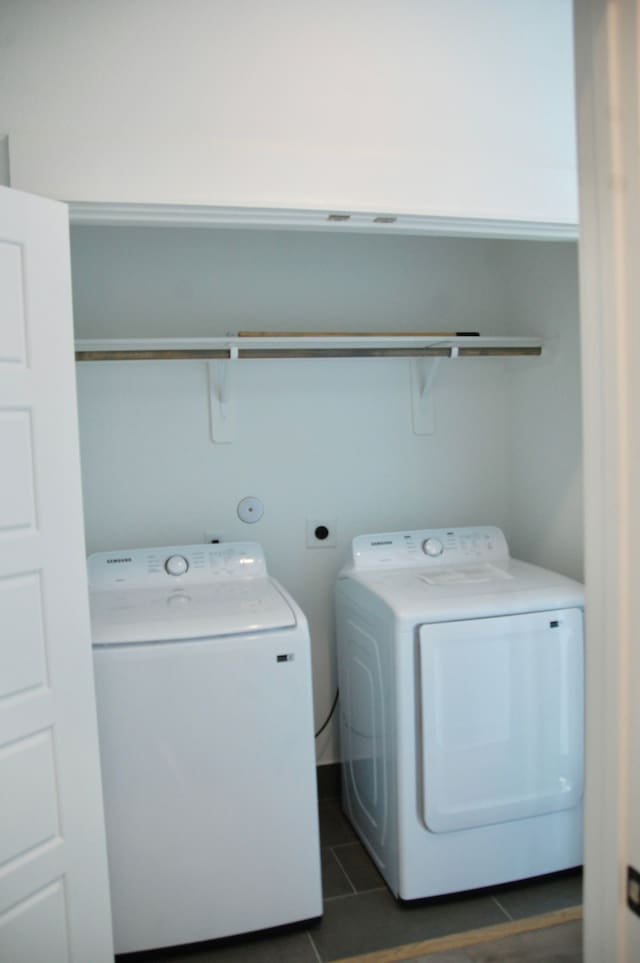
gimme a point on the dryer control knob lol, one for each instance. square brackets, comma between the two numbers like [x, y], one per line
[176, 565]
[432, 546]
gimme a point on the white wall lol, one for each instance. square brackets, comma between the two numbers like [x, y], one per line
[139, 281]
[420, 106]
[327, 438]
[545, 443]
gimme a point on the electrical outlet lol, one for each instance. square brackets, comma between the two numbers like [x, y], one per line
[213, 536]
[322, 532]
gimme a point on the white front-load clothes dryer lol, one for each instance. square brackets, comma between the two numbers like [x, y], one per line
[461, 687]
[203, 682]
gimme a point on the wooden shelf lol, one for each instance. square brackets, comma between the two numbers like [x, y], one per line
[304, 346]
[219, 353]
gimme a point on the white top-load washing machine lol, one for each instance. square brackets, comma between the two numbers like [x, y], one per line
[203, 679]
[461, 688]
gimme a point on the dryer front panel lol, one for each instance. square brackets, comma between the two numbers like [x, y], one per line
[501, 718]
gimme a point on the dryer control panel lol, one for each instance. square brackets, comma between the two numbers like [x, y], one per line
[183, 564]
[426, 548]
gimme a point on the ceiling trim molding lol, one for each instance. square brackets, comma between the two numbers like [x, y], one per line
[334, 220]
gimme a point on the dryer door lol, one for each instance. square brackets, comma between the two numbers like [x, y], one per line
[501, 718]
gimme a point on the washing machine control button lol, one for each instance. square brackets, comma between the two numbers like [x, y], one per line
[432, 546]
[176, 565]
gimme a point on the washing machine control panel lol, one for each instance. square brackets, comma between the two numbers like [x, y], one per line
[429, 547]
[176, 564]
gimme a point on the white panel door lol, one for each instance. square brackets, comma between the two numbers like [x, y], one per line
[607, 36]
[54, 898]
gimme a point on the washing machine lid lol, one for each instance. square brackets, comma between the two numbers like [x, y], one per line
[220, 590]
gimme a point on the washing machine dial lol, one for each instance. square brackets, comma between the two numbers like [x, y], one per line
[432, 547]
[176, 565]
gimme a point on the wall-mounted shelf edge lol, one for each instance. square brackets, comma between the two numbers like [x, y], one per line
[329, 346]
[338, 220]
[221, 354]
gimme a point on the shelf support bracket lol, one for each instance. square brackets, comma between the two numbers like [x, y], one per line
[221, 412]
[423, 376]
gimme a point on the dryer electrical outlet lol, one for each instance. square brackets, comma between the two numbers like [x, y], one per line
[322, 532]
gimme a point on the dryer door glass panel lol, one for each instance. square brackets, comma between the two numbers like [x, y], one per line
[501, 718]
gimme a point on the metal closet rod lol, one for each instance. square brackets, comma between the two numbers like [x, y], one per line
[187, 354]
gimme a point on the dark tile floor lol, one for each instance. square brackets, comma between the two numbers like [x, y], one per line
[361, 916]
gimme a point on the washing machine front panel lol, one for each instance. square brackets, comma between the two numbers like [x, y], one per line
[501, 718]
[208, 770]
